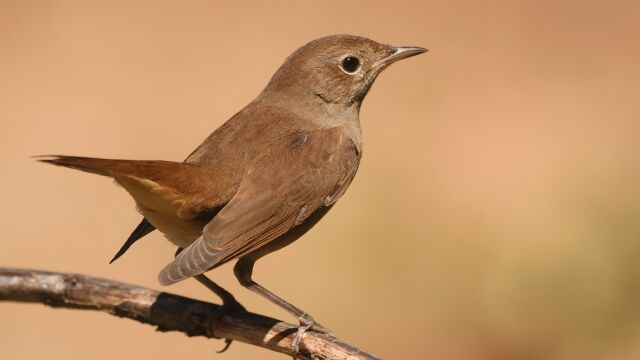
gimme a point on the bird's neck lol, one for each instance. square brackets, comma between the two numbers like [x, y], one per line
[313, 107]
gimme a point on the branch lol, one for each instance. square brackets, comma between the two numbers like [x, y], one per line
[167, 312]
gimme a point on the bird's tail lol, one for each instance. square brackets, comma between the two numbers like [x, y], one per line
[170, 173]
[104, 167]
[162, 186]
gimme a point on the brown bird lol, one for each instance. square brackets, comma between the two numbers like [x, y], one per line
[267, 175]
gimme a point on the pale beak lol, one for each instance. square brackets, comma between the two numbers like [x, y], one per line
[399, 53]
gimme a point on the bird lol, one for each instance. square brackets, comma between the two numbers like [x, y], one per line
[266, 176]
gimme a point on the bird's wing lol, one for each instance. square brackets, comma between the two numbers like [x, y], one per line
[282, 187]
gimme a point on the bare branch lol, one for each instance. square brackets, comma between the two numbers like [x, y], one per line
[166, 311]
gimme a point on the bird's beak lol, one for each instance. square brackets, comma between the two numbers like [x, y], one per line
[399, 53]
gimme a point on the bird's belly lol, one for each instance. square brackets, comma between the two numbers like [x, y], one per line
[180, 232]
[290, 236]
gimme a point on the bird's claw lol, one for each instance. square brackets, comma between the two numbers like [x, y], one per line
[227, 343]
[217, 315]
[306, 323]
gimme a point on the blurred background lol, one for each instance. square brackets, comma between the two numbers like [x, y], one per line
[496, 213]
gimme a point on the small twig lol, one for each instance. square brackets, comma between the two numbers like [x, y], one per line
[167, 312]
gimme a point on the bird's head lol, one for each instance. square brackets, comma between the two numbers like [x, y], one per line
[338, 69]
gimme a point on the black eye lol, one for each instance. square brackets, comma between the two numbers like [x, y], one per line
[350, 64]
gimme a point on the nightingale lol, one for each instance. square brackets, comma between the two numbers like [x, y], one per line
[263, 178]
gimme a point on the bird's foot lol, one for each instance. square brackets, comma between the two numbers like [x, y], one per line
[306, 323]
[216, 317]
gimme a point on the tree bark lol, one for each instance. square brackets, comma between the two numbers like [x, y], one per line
[166, 311]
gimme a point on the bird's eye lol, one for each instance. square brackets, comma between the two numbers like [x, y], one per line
[350, 64]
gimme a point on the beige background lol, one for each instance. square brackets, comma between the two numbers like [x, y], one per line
[496, 214]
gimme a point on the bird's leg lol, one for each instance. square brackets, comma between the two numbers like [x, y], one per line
[229, 303]
[243, 270]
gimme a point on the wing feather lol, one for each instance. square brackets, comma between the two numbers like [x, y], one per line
[283, 186]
